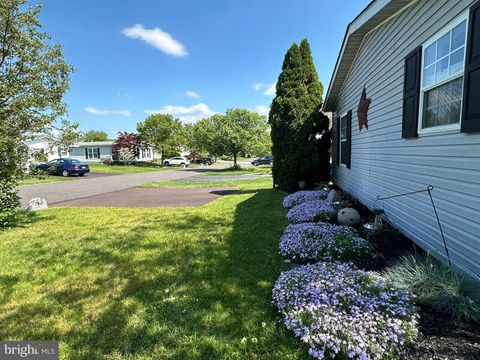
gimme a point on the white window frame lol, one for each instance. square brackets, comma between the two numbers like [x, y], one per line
[340, 140]
[423, 89]
[94, 149]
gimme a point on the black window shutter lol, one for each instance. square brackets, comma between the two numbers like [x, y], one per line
[471, 91]
[336, 143]
[411, 93]
[86, 153]
[349, 140]
[98, 153]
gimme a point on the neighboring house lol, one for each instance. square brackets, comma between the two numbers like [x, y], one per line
[419, 63]
[95, 151]
[91, 152]
[41, 144]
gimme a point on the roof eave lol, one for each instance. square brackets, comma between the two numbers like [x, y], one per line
[376, 13]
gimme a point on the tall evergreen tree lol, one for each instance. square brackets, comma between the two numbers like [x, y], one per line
[294, 119]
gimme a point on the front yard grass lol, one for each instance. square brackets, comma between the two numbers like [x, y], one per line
[126, 169]
[186, 283]
[248, 184]
[33, 180]
[243, 171]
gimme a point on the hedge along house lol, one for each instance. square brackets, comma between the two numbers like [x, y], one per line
[405, 95]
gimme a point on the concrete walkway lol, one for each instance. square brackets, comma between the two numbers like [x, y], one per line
[57, 192]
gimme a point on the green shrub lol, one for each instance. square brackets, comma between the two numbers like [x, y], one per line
[437, 287]
[236, 167]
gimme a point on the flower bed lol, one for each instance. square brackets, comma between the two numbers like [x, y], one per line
[343, 312]
[322, 242]
[300, 197]
[311, 211]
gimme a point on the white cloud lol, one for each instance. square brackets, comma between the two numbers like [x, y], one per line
[185, 114]
[258, 86]
[192, 94]
[123, 95]
[271, 90]
[99, 112]
[267, 89]
[262, 110]
[157, 38]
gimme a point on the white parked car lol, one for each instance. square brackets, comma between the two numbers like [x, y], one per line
[177, 161]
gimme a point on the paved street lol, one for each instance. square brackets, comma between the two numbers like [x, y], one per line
[96, 185]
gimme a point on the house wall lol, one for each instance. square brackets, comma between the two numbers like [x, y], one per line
[41, 144]
[385, 164]
[79, 153]
[106, 152]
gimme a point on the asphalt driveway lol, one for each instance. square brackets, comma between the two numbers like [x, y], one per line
[151, 198]
[62, 191]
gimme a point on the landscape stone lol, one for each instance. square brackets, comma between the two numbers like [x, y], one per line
[36, 204]
[348, 216]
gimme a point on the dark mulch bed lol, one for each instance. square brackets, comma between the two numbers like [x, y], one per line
[441, 338]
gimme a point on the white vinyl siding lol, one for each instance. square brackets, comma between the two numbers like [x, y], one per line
[385, 164]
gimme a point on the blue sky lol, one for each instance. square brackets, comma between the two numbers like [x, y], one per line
[187, 57]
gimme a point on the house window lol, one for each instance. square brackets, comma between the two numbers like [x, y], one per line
[443, 64]
[93, 153]
[343, 140]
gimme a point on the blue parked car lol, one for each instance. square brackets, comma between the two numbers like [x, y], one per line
[266, 160]
[65, 167]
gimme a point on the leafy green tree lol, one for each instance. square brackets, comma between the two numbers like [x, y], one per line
[191, 140]
[239, 131]
[296, 121]
[33, 80]
[206, 137]
[65, 135]
[163, 131]
[95, 135]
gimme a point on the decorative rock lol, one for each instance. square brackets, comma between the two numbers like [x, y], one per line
[37, 204]
[348, 216]
[333, 196]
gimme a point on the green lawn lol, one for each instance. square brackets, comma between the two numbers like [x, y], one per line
[264, 182]
[43, 180]
[244, 171]
[186, 283]
[126, 169]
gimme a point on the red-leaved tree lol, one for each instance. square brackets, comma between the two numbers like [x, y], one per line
[129, 141]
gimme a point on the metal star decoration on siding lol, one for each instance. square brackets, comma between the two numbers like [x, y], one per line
[362, 111]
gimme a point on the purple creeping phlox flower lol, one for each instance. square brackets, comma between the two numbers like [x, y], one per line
[343, 312]
[310, 211]
[303, 196]
[322, 242]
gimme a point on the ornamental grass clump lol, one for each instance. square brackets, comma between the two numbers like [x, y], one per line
[311, 211]
[437, 287]
[341, 312]
[309, 242]
[300, 197]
